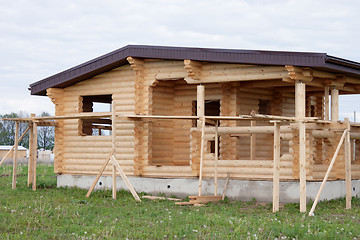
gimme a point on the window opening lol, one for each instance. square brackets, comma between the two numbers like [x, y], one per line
[95, 126]
[264, 107]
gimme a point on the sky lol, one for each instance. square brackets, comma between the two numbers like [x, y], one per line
[39, 38]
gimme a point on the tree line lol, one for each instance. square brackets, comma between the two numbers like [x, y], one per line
[46, 134]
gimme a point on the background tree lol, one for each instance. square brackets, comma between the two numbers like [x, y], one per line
[7, 132]
[46, 135]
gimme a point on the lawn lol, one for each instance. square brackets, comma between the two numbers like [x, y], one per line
[60, 213]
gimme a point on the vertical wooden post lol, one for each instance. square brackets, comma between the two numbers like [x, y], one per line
[200, 104]
[216, 157]
[15, 152]
[334, 105]
[113, 138]
[35, 137]
[300, 93]
[348, 165]
[31, 151]
[276, 166]
[326, 104]
[302, 158]
[253, 143]
[299, 100]
[201, 154]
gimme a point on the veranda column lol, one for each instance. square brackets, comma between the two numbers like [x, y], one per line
[334, 105]
[201, 113]
[300, 115]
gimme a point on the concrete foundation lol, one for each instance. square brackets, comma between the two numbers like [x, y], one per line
[243, 190]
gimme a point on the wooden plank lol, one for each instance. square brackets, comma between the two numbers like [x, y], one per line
[276, 167]
[15, 154]
[216, 158]
[302, 162]
[311, 213]
[201, 154]
[226, 186]
[100, 173]
[334, 105]
[31, 153]
[348, 165]
[12, 148]
[161, 198]
[113, 142]
[35, 140]
[300, 97]
[126, 180]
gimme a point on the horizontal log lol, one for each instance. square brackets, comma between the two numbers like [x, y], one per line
[248, 130]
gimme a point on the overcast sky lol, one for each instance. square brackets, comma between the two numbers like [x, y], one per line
[43, 37]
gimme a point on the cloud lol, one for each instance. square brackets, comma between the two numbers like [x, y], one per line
[41, 38]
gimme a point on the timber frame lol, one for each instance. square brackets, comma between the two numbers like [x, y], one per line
[207, 113]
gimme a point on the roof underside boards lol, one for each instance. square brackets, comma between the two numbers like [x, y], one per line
[114, 59]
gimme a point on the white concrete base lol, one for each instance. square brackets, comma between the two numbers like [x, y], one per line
[243, 190]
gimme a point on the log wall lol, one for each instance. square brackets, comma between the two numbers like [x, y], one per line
[171, 148]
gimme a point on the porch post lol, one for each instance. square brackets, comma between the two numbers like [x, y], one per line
[334, 105]
[300, 115]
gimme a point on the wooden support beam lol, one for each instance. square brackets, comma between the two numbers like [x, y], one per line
[200, 102]
[12, 148]
[100, 173]
[334, 105]
[252, 73]
[113, 142]
[348, 165]
[15, 155]
[32, 155]
[125, 179]
[216, 158]
[300, 96]
[193, 68]
[276, 167]
[302, 161]
[226, 186]
[202, 148]
[300, 100]
[35, 140]
[326, 104]
[311, 213]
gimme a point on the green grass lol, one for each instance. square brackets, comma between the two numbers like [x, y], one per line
[60, 213]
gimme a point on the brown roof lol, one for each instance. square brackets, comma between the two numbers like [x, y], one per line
[118, 57]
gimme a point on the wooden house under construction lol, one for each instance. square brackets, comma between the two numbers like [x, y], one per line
[185, 113]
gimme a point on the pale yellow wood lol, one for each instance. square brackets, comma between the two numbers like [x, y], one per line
[299, 100]
[15, 154]
[126, 180]
[31, 153]
[113, 141]
[334, 105]
[216, 158]
[328, 172]
[100, 173]
[302, 162]
[226, 186]
[276, 167]
[201, 154]
[35, 140]
[326, 104]
[348, 165]
[12, 148]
